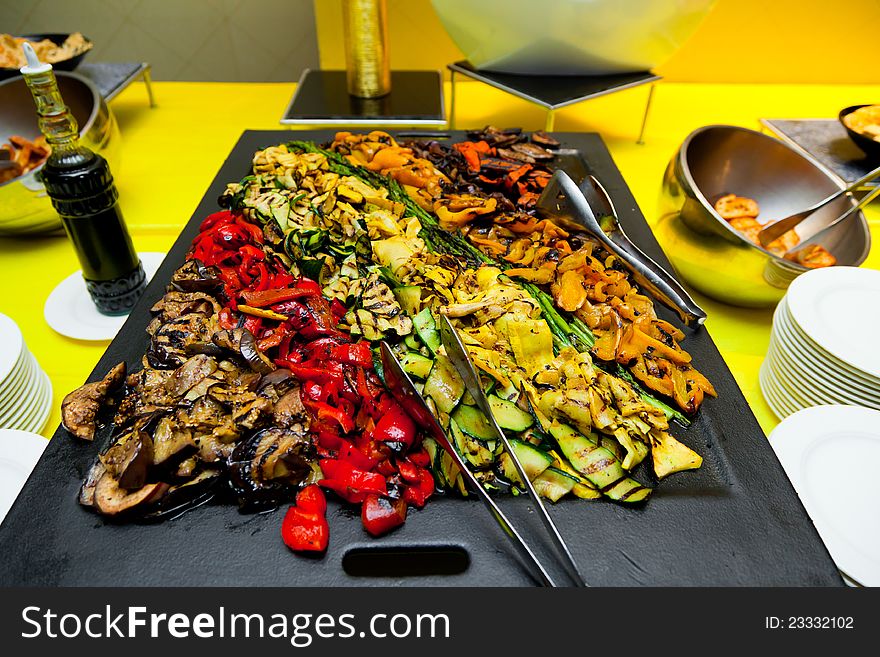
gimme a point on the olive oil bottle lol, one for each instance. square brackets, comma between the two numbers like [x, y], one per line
[80, 186]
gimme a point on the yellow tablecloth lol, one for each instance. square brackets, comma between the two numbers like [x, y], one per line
[170, 154]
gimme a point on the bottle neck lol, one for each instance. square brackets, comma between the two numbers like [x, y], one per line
[55, 120]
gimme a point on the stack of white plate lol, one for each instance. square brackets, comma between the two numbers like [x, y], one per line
[824, 344]
[25, 390]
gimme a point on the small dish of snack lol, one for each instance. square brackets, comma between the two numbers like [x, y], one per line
[63, 51]
[862, 123]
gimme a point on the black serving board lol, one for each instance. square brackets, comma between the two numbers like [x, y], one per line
[736, 521]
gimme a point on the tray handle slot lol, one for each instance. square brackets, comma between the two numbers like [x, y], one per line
[409, 561]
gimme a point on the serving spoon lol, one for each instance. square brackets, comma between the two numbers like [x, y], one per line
[776, 229]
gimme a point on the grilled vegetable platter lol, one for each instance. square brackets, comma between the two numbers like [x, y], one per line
[238, 430]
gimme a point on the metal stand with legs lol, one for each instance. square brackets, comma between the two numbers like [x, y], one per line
[641, 139]
[552, 92]
[148, 83]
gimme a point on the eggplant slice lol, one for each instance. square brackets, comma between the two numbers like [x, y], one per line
[195, 415]
[80, 408]
[269, 467]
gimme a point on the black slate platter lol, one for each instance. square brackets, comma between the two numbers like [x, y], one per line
[736, 521]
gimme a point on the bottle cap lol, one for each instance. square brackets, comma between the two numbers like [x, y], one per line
[33, 62]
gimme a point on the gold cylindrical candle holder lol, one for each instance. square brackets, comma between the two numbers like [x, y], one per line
[366, 48]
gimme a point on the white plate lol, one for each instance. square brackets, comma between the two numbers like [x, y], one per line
[11, 344]
[41, 400]
[28, 406]
[16, 380]
[837, 308]
[812, 386]
[37, 421]
[784, 319]
[24, 392]
[830, 453]
[781, 404]
[19, 453]
[821, 368]
[790, 386]
[69, 309]
[768, 389]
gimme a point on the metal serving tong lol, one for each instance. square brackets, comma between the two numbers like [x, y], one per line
[461, 359]
[403, 390]
[562, 198]
[777, 229]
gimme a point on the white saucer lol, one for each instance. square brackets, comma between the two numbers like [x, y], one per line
[69, 309]
[830, 455]
[19, 453]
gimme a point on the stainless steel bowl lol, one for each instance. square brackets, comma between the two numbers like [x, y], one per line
[713, 257]
[24, 207]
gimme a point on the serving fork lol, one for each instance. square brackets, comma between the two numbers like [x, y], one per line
[460, 358]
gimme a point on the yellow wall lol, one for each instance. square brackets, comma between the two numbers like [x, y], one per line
[829, 41]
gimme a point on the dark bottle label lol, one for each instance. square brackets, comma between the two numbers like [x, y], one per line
[83, 193]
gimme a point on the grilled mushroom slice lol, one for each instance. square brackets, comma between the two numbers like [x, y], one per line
[533, 150]
[111, 499]
[187, 495]
[80, 407]
[542, 138]
[510, 154]
[170, 341]
[174, 304]
[289, 410]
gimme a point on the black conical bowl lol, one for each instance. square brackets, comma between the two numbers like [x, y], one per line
[58, 39]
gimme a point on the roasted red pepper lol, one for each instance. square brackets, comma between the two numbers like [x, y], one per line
[312, 371]
[418, 493]
[380, 515]
[395, 426]
[420, 457]
[408, 471]
[354, 354]
[213, 219]
[348, 452]
[305, 527]
[263, 298]
[346, 473]
[227, 319]
[378, 458]
[311, 499]
[324, 411]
